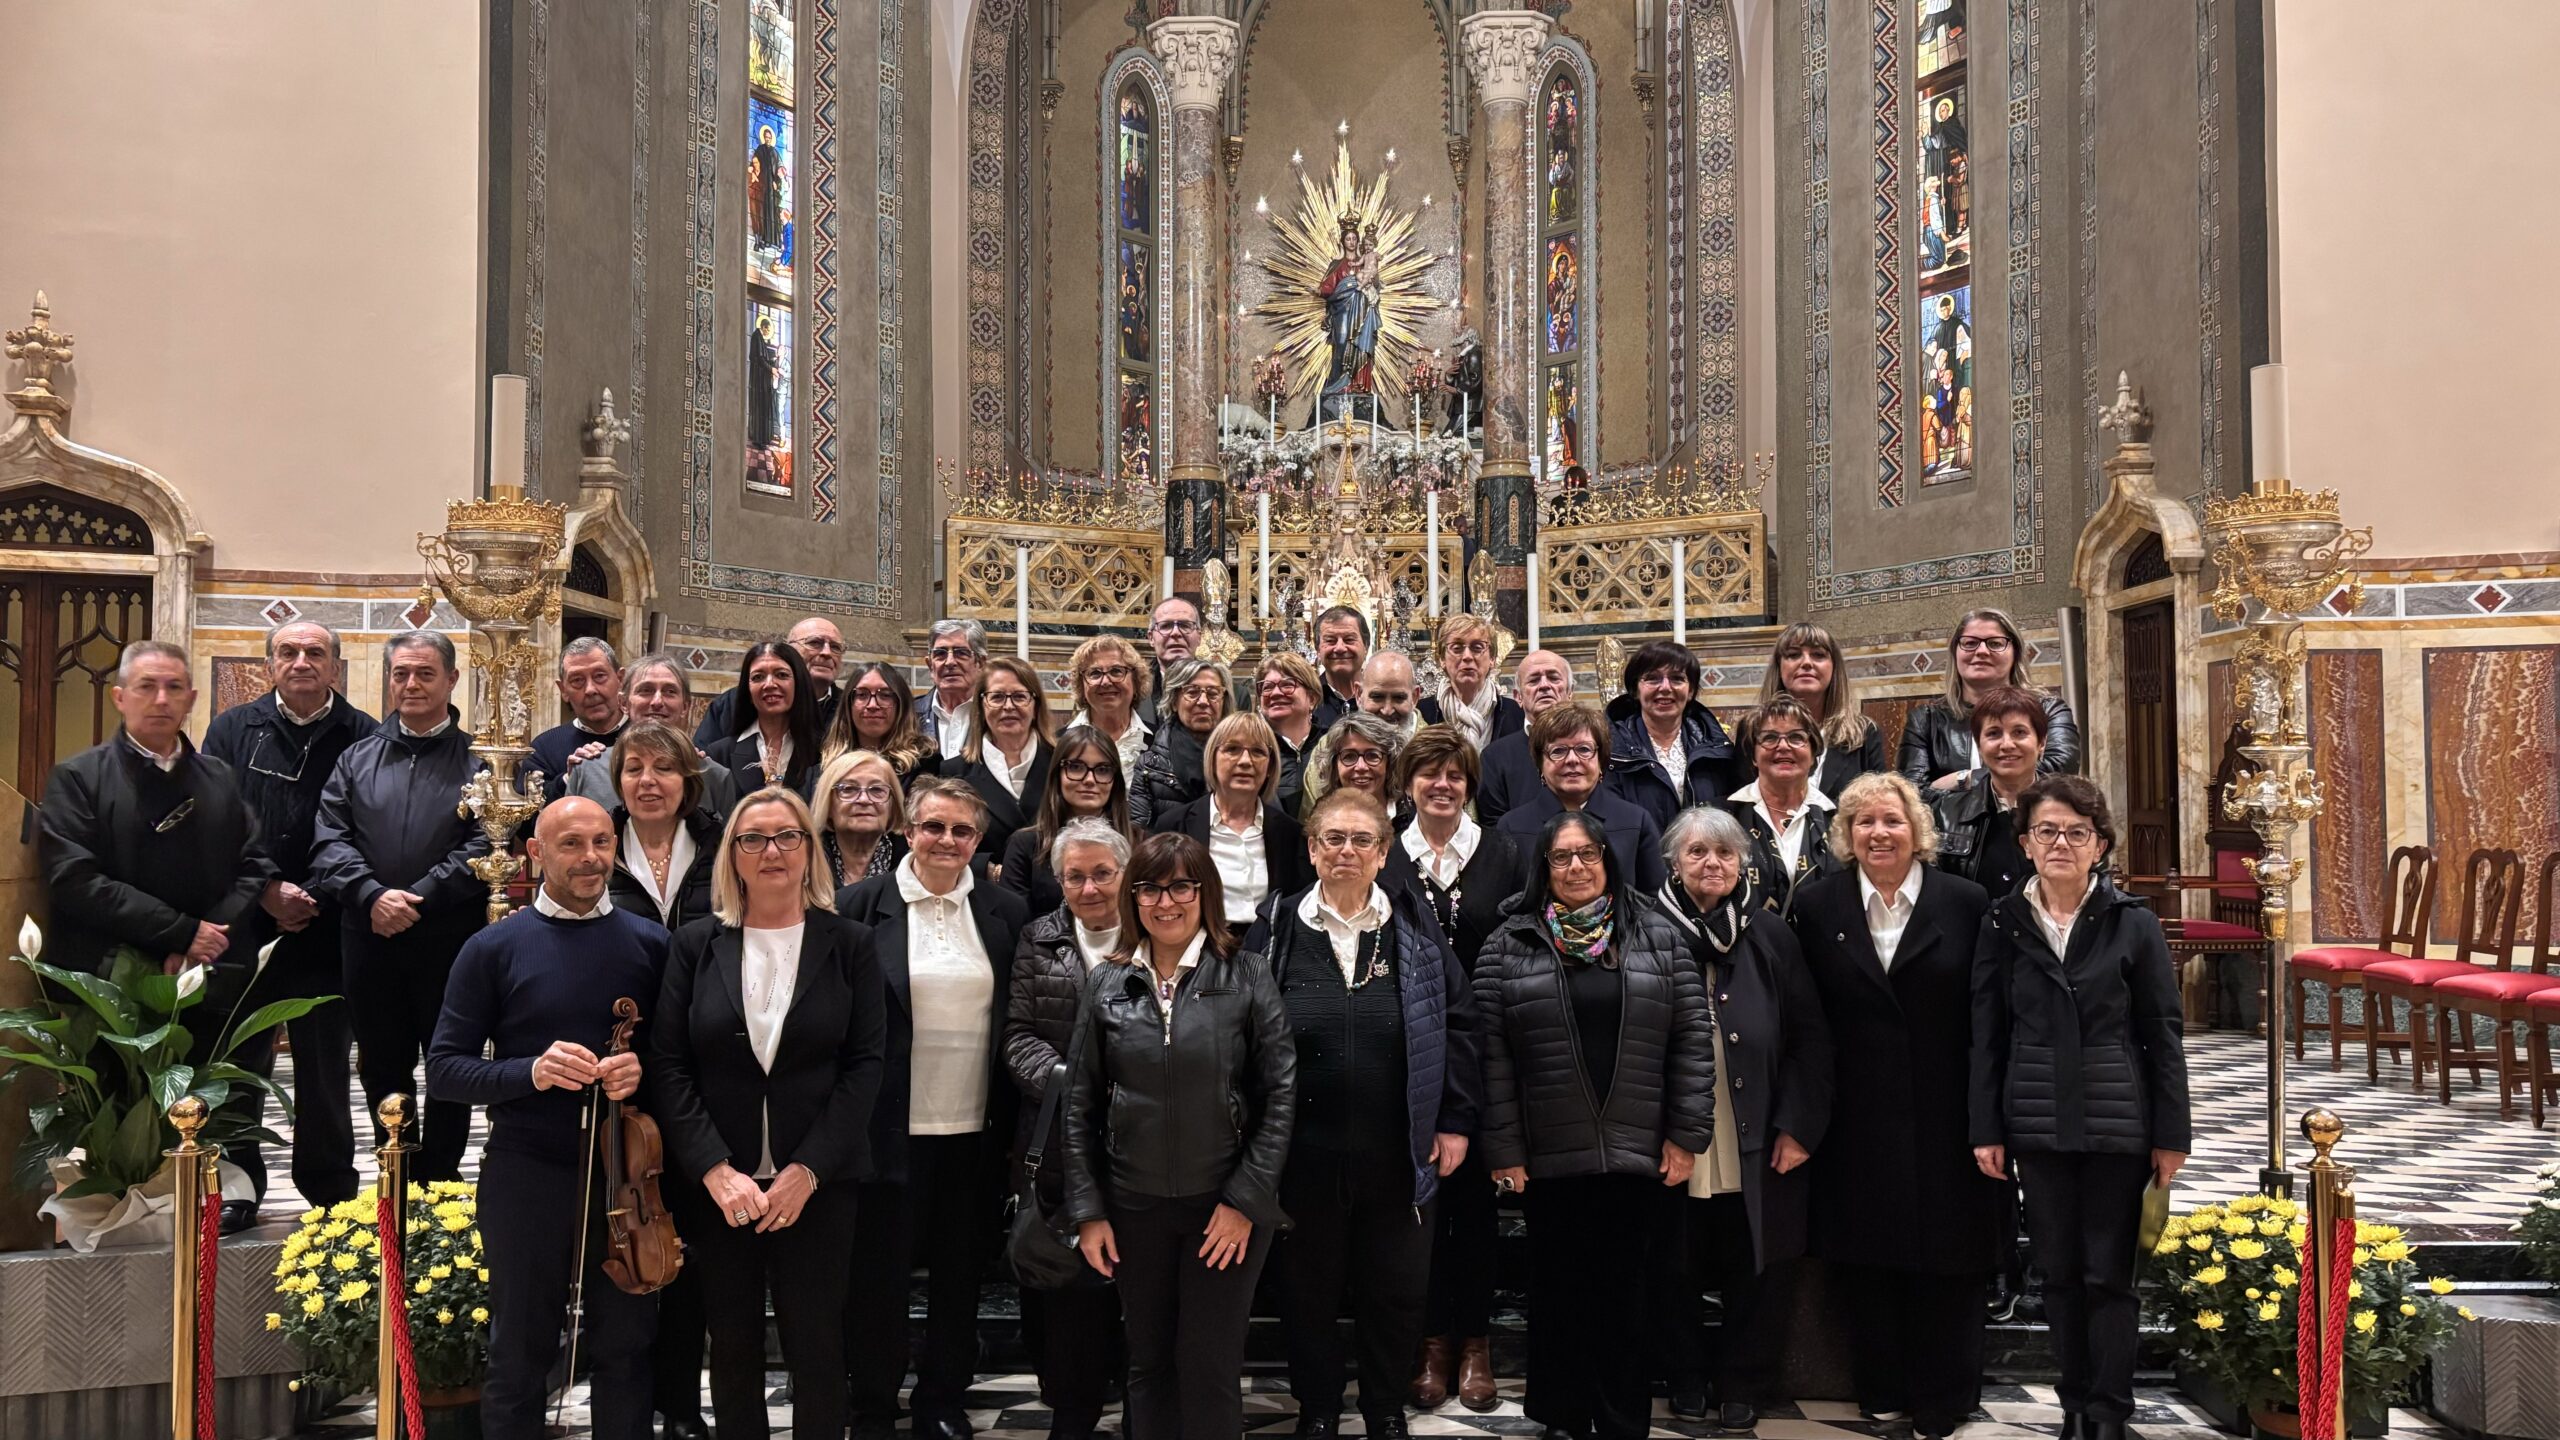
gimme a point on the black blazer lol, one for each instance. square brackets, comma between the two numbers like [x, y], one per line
[743, 758]
[692, 889]
[1284, 843]
[877, 903]
[1901, 1054]
[1005, 814]
[1841, 764]
[1490, 877]
[1508, 776]
[715, 1102]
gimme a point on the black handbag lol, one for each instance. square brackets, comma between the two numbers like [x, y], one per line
[1040, 1244]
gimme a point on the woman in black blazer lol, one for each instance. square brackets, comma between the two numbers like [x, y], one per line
[766, 1052]
[1462, 872]
[1008, 754]
[781, 739]
[1260, 853]
[1086, 778]
[1897, 1162]
[945, 941]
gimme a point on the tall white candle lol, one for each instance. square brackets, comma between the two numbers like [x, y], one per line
[1262, 525]
[1022, 602]
[1679, 591]
[508, 401]
[1223, 402]
[1167, 592]
[1533, 599]
[1465, 404]
[1431, 553]
[2270, 448]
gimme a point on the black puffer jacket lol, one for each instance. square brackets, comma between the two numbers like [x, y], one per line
[387, 820]
[1171, 773]
[1935, 742]
[1636, 774]
[1206, 1111]
[2078, 1053]
[1539, 1110]
[1049, 976]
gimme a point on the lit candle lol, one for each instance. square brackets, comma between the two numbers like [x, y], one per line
[1262, 524]
[1679, 590]
[1022, 602]
[1431, 553]
[509, 398]
[2270, 448]
[1533, 599]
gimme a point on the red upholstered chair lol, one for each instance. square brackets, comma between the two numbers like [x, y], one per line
[2541, 1012]
[2235, 928]
[2498, 995]
[2492, 890]
[2341, 967]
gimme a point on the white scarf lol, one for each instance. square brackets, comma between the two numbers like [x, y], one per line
[1473, 719]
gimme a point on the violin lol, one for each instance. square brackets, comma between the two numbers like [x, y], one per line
[642, 1253]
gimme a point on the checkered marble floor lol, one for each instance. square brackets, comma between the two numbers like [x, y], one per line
[1007, 1407]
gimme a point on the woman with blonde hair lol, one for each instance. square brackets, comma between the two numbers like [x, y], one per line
[1469, 700]
[1260, 851]
[766, 1051]
[1007, 756]
[1806, 666]
[1110, 684]
[861, 816]
[1889, 942]
[1984, 654]
[1287, 691]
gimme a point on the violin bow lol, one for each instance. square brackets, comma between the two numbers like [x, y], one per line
[578, 1276]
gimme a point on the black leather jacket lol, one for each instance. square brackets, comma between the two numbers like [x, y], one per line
[1205, 1107]
[1935, 743]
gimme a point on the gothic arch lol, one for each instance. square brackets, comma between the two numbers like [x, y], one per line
[2135, 518]
[34, 451]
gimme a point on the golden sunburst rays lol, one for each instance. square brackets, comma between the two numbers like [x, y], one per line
[1309, 243]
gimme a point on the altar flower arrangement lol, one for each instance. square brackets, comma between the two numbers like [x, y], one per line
[1256, 462]
[2539, 1228]
[2229, 1275]
[1438, 461]
[328, 1306]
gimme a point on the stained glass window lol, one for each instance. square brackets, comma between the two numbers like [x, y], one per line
[1560, 213]
[1134, 412]
[1943, 216]
[772, 200]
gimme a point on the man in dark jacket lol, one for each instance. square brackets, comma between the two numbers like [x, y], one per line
[1342, 650]
[591, 681]
[283, 746]
[1544, 681]
[393, 854]
[147, 843]
[821, 648]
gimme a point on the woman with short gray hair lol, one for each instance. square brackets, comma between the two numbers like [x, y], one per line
[1174, 771]
[1747, 1195]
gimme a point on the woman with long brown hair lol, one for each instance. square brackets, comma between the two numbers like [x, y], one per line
[1086, 780]
[1806, 666]
[878, 714]
[1984, 654]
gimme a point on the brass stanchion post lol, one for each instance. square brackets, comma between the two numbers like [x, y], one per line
[2333, 1198]
[393, 1184]
[188, 1165]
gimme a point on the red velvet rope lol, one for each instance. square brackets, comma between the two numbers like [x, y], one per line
[209, 1227]
[390, 1232]
[2320, 1333]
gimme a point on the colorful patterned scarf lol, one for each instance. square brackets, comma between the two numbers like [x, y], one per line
[1582, 936]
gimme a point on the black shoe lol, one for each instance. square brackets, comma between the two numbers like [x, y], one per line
[689, 1428]
[943, 1427]
[1734, 1416]
[1389, 1426]
[1317, 1427]
[2001, 1305]
[1689, 1402]
[238, 1215]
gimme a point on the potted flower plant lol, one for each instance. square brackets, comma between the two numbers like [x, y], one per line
[108, 1055]
[327, 1280]
[2539, 1231]
[2228, 1278]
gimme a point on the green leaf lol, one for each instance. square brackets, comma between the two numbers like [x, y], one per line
[171, 1085]
[40, 1118]
[135, 1151]
[109, 1003]
[267, 1017]
[236, 1077]
[156, 994]
[214, 1093]
[34, 1061]
[140, 1046]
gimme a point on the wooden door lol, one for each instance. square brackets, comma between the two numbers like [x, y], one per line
[61, 636]
[2151, 739]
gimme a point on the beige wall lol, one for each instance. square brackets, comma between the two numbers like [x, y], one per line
[262, 224]
[2416, 200]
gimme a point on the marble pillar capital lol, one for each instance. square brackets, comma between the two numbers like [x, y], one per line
[1199, 52]
[1502, 53]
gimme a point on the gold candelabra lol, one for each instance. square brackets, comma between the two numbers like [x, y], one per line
[2287, 551]
[494, 562]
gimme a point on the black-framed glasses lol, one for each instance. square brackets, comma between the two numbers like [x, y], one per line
[1573, 752]
[1110, 672]
[1977, 644]
[1180, 892]
[1009, 699]
[2075, 837]
[1567, 859]
[1089, 770]
[950, 652]
[875, 695]
[753, 842]
[1359, 760]
[942, 829]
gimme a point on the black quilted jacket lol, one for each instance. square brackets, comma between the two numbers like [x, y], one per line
[1539, 1110]
[1040, 1014]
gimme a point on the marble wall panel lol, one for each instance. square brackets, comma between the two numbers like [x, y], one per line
[1891, 715]
[237, 680]
[2350, 842]
[2493, 762]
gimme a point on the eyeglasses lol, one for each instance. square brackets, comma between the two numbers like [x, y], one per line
[1087, 770]
[1572, 752]
[2074, 837]
[1784, 739]
[1359, 760]
[1468, 647]
[1180, 892]
[851, 791]
[949, 652]
[820, 644]
[1109, 672]
[1279, 686]
[1580, 855]
[940, 830]
[876, 695]
[1976, 644]
[1203, 692]
[753, 842]
[1099, 880]
[1349, 840]
[1009, 699]
[175, 818]
[1176, 627]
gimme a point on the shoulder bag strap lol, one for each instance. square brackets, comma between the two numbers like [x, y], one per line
[1054, 1097]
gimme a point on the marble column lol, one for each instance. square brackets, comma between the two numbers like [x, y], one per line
[1198, 52]
[1502, 48]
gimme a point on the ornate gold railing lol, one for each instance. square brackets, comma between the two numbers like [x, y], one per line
[1297, 569]
[1080, 575]
[1619, 573]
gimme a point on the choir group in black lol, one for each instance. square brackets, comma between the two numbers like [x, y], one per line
[1294, 969]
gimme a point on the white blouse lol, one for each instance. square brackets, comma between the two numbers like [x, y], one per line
[1244, 865]
[768, 975]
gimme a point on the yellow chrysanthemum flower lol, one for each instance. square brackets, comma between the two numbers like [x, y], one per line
[2208, 1319]
[274, 1321]
[313, 1215]
[2248, 1203]
[2285, 1275]
[2297, 1233]
[2271, 1228]
[2237, 1225]
[484, 1277]
[343, 1262]
[2210, 1275]
[313, 1305]
[336, 1228]
[444, 1317]
[2355, 1289]
[2269, 1311]
[424, 1285]
[2366, 1320]
[312, 1260]
[2199, 1242]
[2391, 1252]
[440, 1272]
[355, 1290]
[2362, 1255]
[2408, 1308]
[2440, 1285]
[480, 1314]
[2247, 1249]
[2465, 1312]
[2251, 1292]
[456, 1222]
[475, 1242]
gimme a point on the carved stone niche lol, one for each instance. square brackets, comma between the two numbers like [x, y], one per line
[607, 584]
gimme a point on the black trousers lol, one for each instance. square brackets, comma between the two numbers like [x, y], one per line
[675, 1362]
[395, 991]
[1074, 1336]
[943, 1218]
[1915, 1343]
[529, 1224]
[1352, 1219]
[1708, 1246]
[305, 963]
[1186, 1321]
[803, 1267]
[2082, 1212]
[1465, 1226]
[1589, 1276]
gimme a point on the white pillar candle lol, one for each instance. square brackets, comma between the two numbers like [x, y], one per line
[2270, 448]
[1431, 553]
[1022, 602]
[1167, 592]
[1262, 525]
[1679, 591]
[509, 398]
[1533, 599]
